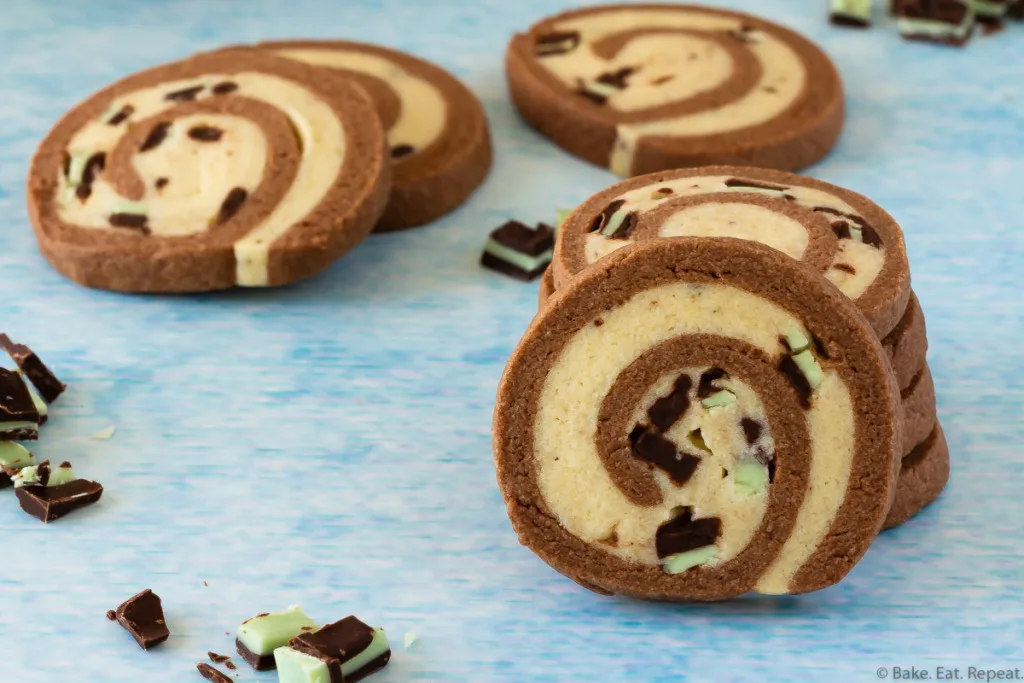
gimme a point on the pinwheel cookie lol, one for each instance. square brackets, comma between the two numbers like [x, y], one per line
[642, 88]
[695, 419]
[228, 168]
[438, 136]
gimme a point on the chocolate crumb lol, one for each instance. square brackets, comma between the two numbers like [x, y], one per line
[841, 229]
[599, 322]
[206, 584]
[667, 410]
[211, 674]
[205, 133]
[156, 136]
[845, 268]
[185, 94]
[229, 664]
[403, 150]
[662, 79]
[135, 221]
[224, 87]
[161, 183]
[111, 614]
[118, 118]
[231, 204]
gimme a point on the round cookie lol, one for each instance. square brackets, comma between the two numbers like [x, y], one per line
[907, 344]
[642, 88]
[228, 168]
[695, 419]
[853, 241]
[437, 131]
[919, 410]
[923, 474]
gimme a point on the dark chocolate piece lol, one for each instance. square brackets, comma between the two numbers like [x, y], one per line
[616, 79]
[626, 227]
[232, 203]
[943, 11]
[660, 452]
[848, 21]
[155, 137]
[601, 219]
[230, 665]
[595, 97]
[506, 268]
[399, 151]
[707, 382]
[121, 116]
[224, 88]
[111, 615]
[16, 406]
[789, 368]
[342, 641]
[524, 239]
[258, 662]
[185, 94]
[161, 183]
[556, 43]
[134, 221]
[205, 133]
[50, 503]
[684, 533]
[757, 185]
[846, 268]
[667, 410]
[841, 229]
[751, 429]
[93, 167]
[42, 378]
[216, 658]
[211, 674]
[143, 617]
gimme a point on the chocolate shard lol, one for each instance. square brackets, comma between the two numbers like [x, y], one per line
[185, 94]
[19, 418]
[403, 150]
[556, 43]
[216, 658]
[142, 616]
[751, 429]
[344, 641]
[616, 79]
[667, 410]
[205, 133]
[753, 184]
[50, 503]
[224, 87]
[595, 97]
[133, 221]
[662, 453]
[121, 116]
[42, 378]
[683, 533]
[789, 368]
[211, 674]
[231, 204]
[707, 382]
[93, 166]
[155, 137]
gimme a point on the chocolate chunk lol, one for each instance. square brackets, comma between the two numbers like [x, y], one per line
[111, 615]
[143, 617]
[626, 227]
[231, 204]
[660, 452]
[524, 239]
[789, 368]
[45, 382]
[944, 11]
[601, 219]
[256, 661]
[161, 183]
[518, 250]
[664, 191]
[343, 641]
[757, 185]
[185, 94]
[845, 268]
[684, 533]
[230, 665]
[556, 43]
[19, 418]
[595, 97]
[93, 167]
[155, 137]
[616, 79]
[751, 429]
[205, 133]
[211, 674]
[667, 410]
[50, 503]
[707, 382]
[216, 658]
[224, 87]
[121, 116]
[135, 221]
[841, 229]
[399, 151]
[869, 235]
[66, 163]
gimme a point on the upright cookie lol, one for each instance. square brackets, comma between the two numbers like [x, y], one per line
[228, 168]
[923, 474]
[907, 344]
[437, 131]
[856, 244]
[642, 88]
[695, 419]
[917, 401]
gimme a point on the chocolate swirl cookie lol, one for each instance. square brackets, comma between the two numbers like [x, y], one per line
[228, 168]
[642, 88]
[695, 419]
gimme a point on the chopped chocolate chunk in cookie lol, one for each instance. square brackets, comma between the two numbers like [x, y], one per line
[121, 116]
[155, 137]
[205, 133]
[662, 453]
[185, 94]
[556, 43]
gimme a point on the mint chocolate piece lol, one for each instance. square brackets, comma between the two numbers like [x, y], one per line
[519, 251]
[19, 418]
[143, 617]
[359, 649]
[853, 13]
[42, 378]
[943, 21]
[260, 636]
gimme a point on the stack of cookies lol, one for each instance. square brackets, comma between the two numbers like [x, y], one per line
[724, 389]
[252, 166]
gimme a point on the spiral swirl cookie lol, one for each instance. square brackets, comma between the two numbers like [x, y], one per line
[228, 168]
[437, 131]
[695, 419]
[642, 88]
[857, 245]
[924, 472]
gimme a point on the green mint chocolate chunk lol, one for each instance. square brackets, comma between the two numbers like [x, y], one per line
[14, 456]
[990, 9]
[931, 28]
[614, 223]
[809, 367]
[37, 400]
[797, 341]
[750, 477]
[296, 667]
[677, 564]
[378, 646]
[855, 9]
[264, 634]
[720, 398]
[521, 261]
[131, 207]
[77, 167]
[602, 88]
[60, 475]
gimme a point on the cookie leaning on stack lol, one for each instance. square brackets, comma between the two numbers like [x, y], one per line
[844, 235]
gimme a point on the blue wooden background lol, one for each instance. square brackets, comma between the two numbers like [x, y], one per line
[329, 444]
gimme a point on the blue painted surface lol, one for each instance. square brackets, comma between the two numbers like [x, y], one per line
[328, 444]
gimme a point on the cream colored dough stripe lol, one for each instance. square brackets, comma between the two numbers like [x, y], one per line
[423, 114]
[575, 485]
